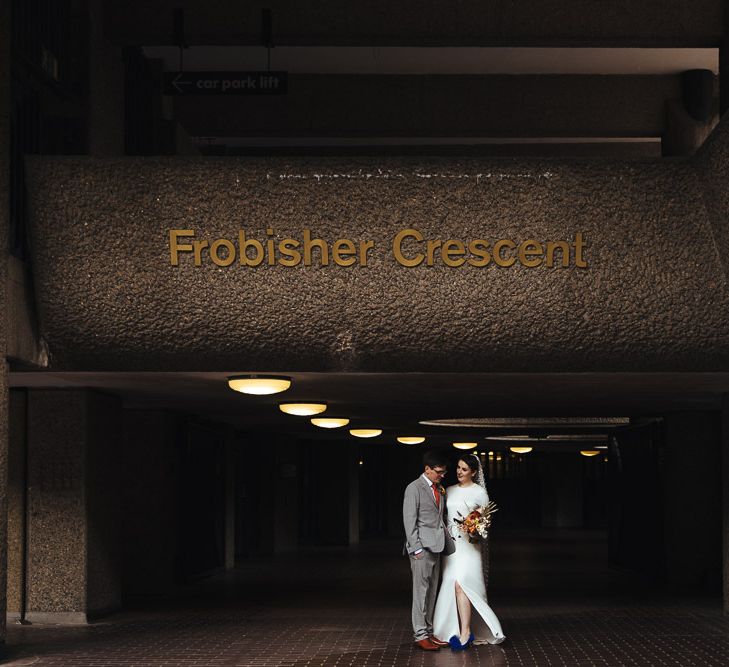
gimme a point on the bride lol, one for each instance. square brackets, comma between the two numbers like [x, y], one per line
[463, 590]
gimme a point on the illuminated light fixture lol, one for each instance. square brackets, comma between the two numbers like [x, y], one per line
[589, 452]
[329, 422]
[465, 445]
[365, 432]
[259, 385]
[411, 440]
[361, 463]
[302, 409]
[521, 450]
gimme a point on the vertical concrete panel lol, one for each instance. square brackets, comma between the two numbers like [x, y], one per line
[57, 506]
[150, 474]
[229, 503]
[692, 492]
[103, 510]
[16, 500]
[286, 519]
[725, 500]
[106, 89]
[562, 491]
[353, 495]
[5, 105]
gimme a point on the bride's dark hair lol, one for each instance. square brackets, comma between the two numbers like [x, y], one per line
[472, 462]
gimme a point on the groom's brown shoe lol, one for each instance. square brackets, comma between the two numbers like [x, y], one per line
[427, 645]
[437, 642]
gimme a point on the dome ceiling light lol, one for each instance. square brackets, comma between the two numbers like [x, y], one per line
[521, 450]
[365, 432]
[589, 452]
[465, 445]
[302, 409]
[411, 439]
[329, 422]
[259, 385]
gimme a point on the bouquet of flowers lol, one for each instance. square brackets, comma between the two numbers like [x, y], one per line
[475, 525]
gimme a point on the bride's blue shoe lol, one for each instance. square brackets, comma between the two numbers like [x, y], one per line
[468, 643]
[455, 643]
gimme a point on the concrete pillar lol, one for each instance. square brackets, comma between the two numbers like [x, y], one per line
[286, 497]
[691, 476]
[562, 491]
[150, 471]
[725, 500]
[5, 109]
[353, 495]
[106, 88]
[17, 509]
[73, 559]
[724, 63]
[229, 503]
[683, 134]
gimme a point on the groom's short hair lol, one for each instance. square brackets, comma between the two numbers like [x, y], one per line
[434, 458]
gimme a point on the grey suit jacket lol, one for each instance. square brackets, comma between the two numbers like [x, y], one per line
[424, 520]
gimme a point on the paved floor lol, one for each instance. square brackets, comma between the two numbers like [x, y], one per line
[557, 602]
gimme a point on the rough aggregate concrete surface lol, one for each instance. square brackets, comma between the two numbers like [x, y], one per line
[653, 297]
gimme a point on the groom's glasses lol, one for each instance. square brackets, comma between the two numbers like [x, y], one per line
[440, 472]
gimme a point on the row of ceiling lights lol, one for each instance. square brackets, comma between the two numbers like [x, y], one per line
[260, 385]
[265, 385]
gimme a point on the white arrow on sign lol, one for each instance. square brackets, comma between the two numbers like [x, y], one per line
[176, 82]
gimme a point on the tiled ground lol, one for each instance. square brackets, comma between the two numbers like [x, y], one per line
[557, 602]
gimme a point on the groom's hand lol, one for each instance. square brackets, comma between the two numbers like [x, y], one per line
[418, 554]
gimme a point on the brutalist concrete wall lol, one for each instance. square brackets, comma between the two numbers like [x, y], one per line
[712, 163]
[56, 566]
[692, 487]
[5, 106]
[16, 501]
[73, 557]
[151, 472]
[652, 298]
[104, 493]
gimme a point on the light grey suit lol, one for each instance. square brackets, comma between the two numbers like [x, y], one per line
[424, 529]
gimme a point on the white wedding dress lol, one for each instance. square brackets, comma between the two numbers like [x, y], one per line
[465, 567]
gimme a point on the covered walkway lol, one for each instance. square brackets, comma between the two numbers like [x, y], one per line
[558, 602]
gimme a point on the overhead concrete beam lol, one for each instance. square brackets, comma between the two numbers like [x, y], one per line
[441, 106]
[380, 22]
[116, 294]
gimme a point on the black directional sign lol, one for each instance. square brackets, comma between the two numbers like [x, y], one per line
[225, 83]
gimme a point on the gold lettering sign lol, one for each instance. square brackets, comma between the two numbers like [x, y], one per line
[409, 248]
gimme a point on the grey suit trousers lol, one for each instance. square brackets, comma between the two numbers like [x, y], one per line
[426, 572]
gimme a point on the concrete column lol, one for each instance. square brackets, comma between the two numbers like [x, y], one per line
[353, 495]
[17, 510]
[229, 503]
[151, 479]
[724, 63]
[106, 88]
[286, 497]
[725, 500]
[562, 491]
[73, 559]
[5, 108]
[691, 474]
[683, 134]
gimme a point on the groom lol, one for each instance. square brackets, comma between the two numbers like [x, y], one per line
[423, 513]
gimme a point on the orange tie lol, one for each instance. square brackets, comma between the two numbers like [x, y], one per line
[436, 495]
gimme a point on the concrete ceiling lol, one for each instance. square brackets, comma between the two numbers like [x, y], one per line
[385, 75]
[438, 60]
[553, 23]
[399, 403]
